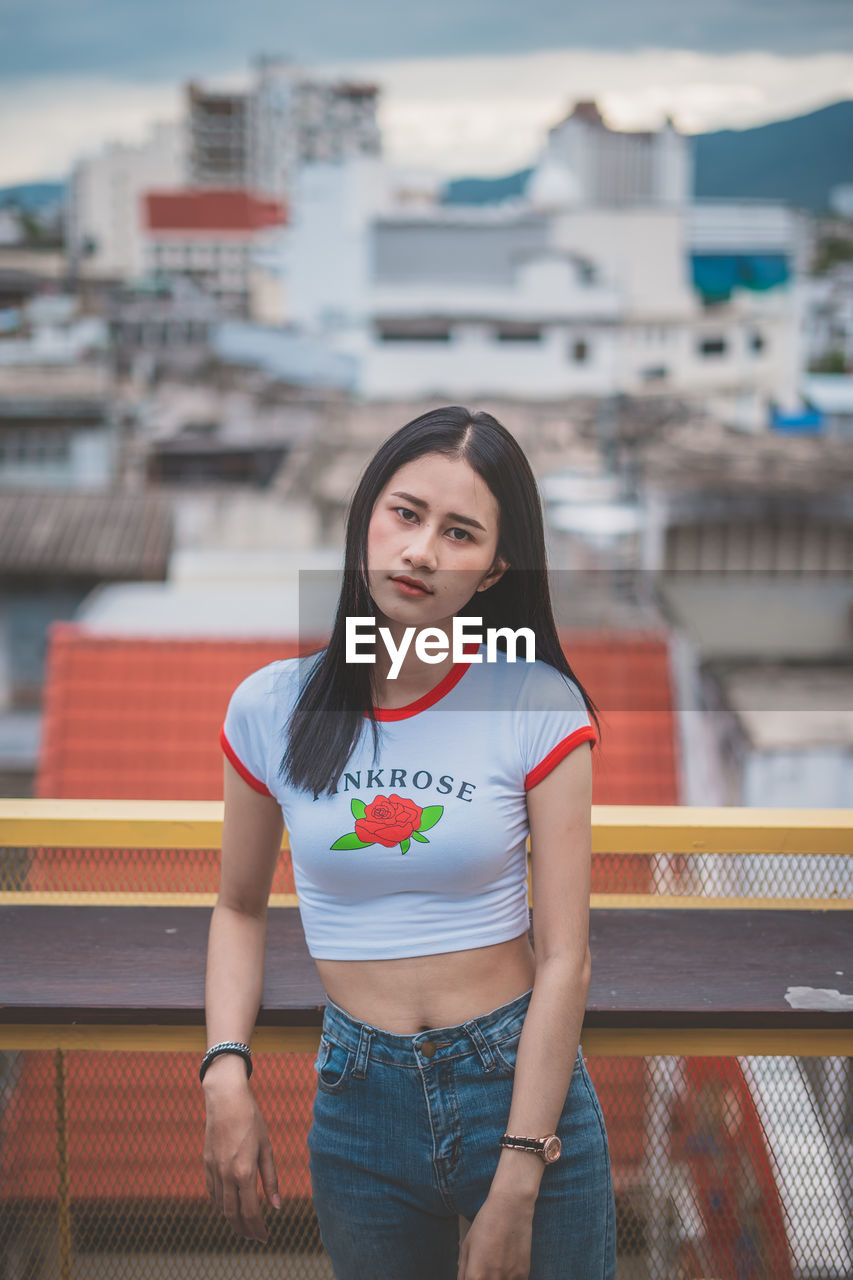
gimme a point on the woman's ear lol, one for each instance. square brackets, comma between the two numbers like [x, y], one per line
[497, 571]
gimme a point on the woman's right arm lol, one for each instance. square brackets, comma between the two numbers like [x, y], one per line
[237, 1146]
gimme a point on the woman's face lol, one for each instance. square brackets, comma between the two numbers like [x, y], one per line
[435, 523]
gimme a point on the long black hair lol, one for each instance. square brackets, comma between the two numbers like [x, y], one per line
[328, 719]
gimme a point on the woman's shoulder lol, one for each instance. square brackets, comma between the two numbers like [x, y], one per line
[274, 687]
[536, 685]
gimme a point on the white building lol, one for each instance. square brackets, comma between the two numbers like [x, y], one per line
[211, 237]
[832, 395]
[11, 231]
[105, 195]
[53, 334]
[610, 167]
[548, 295]
[58, 428]
[828, 304]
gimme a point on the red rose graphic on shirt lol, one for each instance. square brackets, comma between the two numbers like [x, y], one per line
[388, 821]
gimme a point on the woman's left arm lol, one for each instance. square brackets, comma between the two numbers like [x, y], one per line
[559, 811]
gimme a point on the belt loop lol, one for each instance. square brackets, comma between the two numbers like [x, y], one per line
[481, 1044]
[363, 1053]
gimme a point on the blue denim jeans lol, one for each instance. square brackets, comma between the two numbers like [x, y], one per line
[404, 1139]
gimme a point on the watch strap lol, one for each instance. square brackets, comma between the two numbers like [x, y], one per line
[528, 1144]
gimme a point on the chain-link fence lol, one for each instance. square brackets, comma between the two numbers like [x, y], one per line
[723, 1167]
[793, 880]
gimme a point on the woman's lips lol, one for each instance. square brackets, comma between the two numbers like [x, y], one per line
[409, 588]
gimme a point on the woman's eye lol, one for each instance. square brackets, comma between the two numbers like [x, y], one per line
[405, 512]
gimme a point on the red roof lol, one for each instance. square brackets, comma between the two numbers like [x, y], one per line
[138, 719]
[211, 209]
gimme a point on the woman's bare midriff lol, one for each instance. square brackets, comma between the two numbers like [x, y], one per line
[420, 993]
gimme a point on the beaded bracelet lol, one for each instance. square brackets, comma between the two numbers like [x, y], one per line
[226, 1046]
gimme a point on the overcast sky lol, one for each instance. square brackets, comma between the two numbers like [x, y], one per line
[466, 85]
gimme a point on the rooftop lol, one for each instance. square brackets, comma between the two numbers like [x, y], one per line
[211, 209]
[91, 535]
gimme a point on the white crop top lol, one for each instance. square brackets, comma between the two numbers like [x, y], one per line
[424, 849]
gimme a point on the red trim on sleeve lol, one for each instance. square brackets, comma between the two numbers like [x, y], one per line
[253, 782]
[586, 733]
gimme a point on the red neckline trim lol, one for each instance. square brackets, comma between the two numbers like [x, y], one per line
[428, 699]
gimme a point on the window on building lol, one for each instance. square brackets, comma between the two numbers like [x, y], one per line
[34, 445]
[580, 350]
[654, 373]
[756, 341]
[413, 331]
[518, 333]
[712, 347]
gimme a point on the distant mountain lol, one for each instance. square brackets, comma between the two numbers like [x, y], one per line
[32, 195]
[796, 160]
[485, 190]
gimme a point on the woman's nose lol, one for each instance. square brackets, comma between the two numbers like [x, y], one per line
[421, 549]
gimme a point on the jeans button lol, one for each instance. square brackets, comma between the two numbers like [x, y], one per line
[427, 1048]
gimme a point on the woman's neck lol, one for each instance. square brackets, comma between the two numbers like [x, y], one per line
[414, 677]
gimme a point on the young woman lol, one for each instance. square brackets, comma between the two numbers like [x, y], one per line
[450, 1080]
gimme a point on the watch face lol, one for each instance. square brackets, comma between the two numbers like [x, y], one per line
[552, 1150]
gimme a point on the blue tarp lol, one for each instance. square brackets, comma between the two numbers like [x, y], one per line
[807, 420]
[716, 274]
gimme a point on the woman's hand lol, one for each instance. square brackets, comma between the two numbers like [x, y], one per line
[236, 1149]
[498, 1243]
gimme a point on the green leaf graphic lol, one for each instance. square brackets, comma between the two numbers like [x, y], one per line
[430, 816]
[404, 845]
[357, 807]
[351, 841]
[416, 835]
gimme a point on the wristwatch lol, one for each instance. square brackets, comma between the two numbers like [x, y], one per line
[547, 1148]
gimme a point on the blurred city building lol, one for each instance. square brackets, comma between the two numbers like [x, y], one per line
[104, 201]
[841, 199]
[295, 117]
[11, 230]
[258, 138]
[163, 322]
[55, 547]
[828, 327]
[51, 329]
[218, 141]
[58, 425]
[830, 395]
[286, 299]
[25, 272]
[209, 236]
[586, 161]
[605, 276]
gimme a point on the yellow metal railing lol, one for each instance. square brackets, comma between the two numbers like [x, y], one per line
[658, 831]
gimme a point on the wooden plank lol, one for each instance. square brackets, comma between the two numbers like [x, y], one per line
[671, 968]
